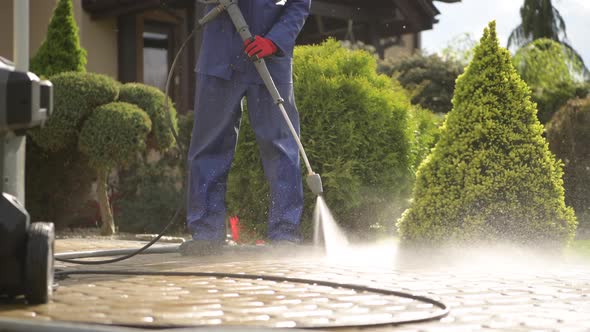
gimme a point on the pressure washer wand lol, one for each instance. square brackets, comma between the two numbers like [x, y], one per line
[314, 181]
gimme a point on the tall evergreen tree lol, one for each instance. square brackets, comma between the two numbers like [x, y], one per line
[540, 19]
[491, 176]
[61, 50]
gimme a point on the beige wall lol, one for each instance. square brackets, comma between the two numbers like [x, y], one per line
[6, 28]
[99, 38]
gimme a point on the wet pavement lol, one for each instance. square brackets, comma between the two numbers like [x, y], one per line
[508, 291]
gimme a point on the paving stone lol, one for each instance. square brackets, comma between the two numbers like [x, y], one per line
[453, 328]
[522, 299]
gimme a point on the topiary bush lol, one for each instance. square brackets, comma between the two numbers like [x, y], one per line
[76, 95]
[149, 194]
[148, 197]
[491, 176]
[57, 182]
[354, 127]
[60, 51]
[552, 72]
[431, 78]
[568, 134]
[152, 101]
[112, 137]
[58, 186]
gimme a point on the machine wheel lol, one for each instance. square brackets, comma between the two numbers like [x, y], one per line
[39, 263]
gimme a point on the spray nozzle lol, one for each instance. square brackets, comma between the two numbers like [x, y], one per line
[314, 182]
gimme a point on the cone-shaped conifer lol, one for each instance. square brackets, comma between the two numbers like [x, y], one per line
[491, 177]
[61, 50]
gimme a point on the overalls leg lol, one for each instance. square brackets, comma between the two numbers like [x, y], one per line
[280, 159]
[218, 109]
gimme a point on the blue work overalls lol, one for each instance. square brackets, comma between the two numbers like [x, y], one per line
[224, 76]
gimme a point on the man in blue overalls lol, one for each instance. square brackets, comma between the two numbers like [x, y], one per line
[225, 75]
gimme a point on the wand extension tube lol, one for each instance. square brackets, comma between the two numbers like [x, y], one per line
[313, 180]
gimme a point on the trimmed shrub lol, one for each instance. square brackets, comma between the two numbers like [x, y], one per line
[153, 102]
[354, 127]
[148, 197]
[60, 51]
[568, 134]
[112, 137]
[76, 95]
[491, 176]
[57, 187]
[429, 77]
[113, 134]
[57, 182]
[550, 70]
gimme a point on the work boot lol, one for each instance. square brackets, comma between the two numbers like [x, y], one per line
[201, 248]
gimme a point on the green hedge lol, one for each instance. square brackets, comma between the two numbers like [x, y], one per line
[568, 134]
[354, 127]
[153, 101]
[491, 177]
[76, 95]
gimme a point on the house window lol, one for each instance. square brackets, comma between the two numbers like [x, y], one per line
[148, 42]
[157, 53]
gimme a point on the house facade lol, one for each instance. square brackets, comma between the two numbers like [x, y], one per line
[135, 41]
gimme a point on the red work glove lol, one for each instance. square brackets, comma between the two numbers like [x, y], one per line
[260, 47]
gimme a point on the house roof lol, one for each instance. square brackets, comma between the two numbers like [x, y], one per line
[108, 8]
[370, 18]
[421, 10]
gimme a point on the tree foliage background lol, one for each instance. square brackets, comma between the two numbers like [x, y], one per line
[540, 19]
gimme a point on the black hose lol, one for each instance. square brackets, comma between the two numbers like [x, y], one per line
[124, 257]
[23, 325]
[164, 249]
[442, 312]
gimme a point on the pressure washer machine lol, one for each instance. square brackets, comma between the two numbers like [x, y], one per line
[26, 253]
[26, 249]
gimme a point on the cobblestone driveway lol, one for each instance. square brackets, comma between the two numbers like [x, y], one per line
[485, 292]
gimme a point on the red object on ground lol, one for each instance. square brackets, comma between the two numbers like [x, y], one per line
[234, 223]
